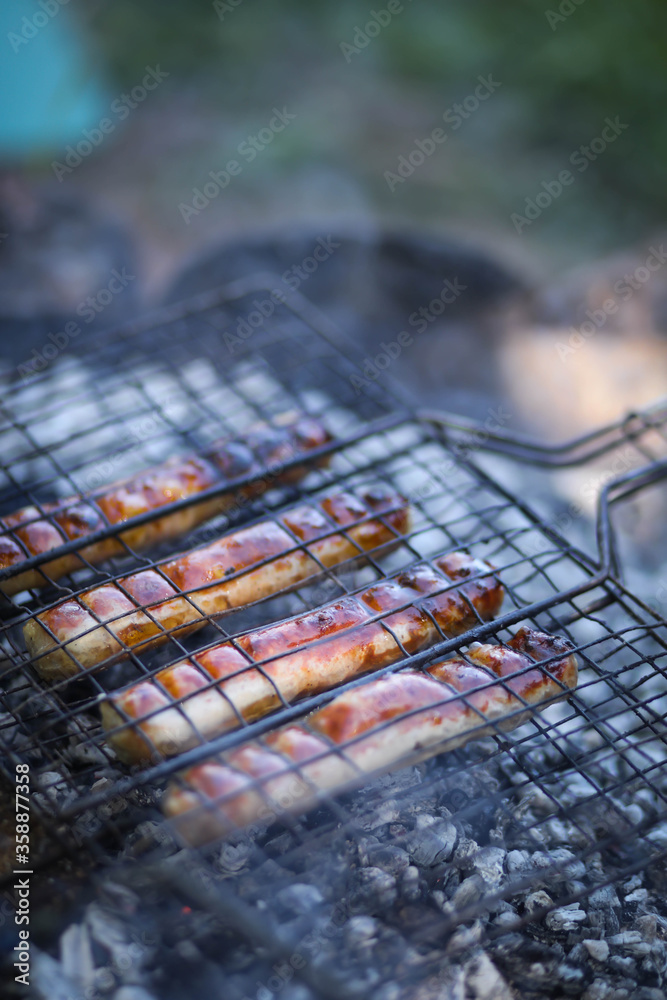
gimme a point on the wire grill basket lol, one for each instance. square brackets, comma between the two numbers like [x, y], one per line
[582, 783]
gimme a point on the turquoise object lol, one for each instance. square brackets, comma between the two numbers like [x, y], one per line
[51, 86]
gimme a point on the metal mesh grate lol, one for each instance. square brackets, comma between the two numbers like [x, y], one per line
[587, 773]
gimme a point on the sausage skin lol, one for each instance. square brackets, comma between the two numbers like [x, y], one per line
[27, 532]
[371, 729]
[68, 637]
[215, 690]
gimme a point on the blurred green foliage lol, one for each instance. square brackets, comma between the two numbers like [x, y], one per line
[565, 66]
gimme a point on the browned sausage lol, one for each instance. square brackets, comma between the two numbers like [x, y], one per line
[28, 533]
[68, 637]
[214, 690]
[370, 729]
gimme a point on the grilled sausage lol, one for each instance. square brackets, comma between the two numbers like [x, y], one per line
[370, 729]
[68, 637]
[215, 690]
[29, 532]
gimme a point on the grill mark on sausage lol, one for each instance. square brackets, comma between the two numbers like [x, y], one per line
[264, 558]
[28, 532]
[302, 656]
[373, 728]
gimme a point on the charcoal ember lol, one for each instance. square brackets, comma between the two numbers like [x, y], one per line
[537, 901]
[85, 753]
[526, 963]
[122, 899]
[145, 795]
[483, 980]
[149, 833]
[433, 844]
[597, 949]
[566, 863]
[410, 888]
[470, 890]
[113, 935]
[623, 965]
[489, 864]
[371, 890]
[537, 800]
[76, 956]
[363, 982]
[604, 908]
[571, 978]
[132, 993]
[188, 951]
[602, 989]
[388, 991]
[278, 845]
[630, 941]
[48, 980]
[114, 804]
[566, 918]
[518, 862]
[465, 938]
[9, 727]
[631, 812]
[647, 924]
[563, 831]
[506, 920]
[55, 793]
[361, 932]
[299, 898]
[364, 845]
[234, 857]
[448, 882]
[465, 851]
[574, 887]
[636, 897]
[385, 813]
[389, 858]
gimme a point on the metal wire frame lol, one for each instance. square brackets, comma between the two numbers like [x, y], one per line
[607, 436]
[68, 712]
[475, 513]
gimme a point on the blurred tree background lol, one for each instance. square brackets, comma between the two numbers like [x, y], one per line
[564, 67]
